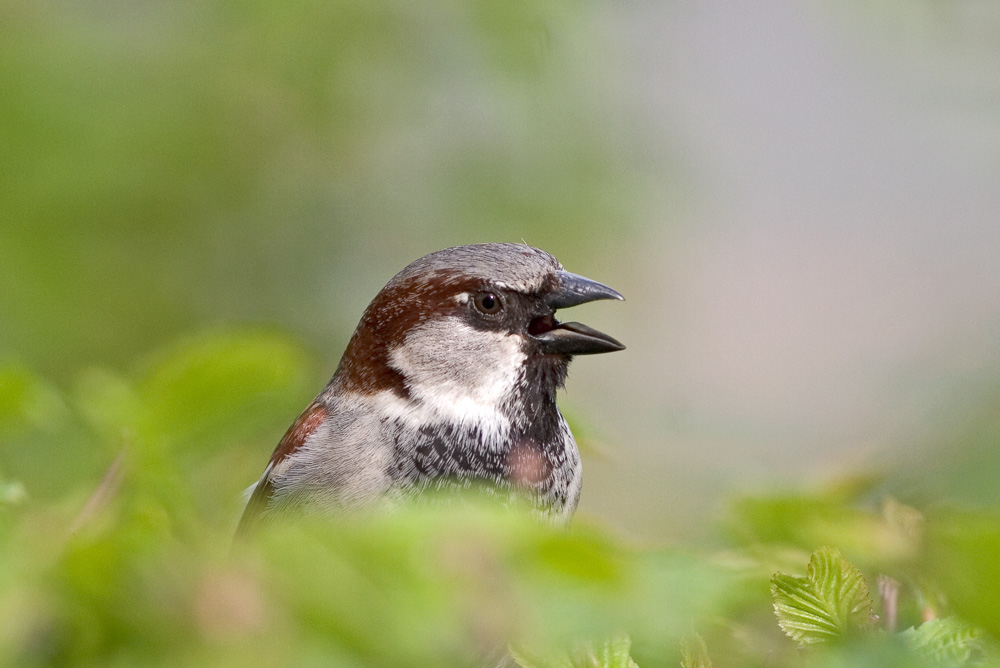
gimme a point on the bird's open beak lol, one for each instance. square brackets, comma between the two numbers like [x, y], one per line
[574, 338]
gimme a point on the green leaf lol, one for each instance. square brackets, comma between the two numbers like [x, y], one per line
[223, 385]
[524, 658]
[614, 653]
[948, 641]
[962, 549]
[28, 401]
[824, 605]
[694, 653]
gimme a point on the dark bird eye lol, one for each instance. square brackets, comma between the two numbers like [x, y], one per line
[488, 303]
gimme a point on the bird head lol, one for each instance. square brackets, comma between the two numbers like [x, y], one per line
[450, 377]
[469, 327]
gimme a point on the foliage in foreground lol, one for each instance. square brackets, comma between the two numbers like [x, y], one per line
[117, 504]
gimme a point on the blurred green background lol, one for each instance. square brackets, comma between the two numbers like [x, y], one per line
[197, 201]
[172, 165]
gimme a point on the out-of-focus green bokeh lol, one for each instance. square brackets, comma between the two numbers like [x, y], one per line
[197, 200]
[171, 165]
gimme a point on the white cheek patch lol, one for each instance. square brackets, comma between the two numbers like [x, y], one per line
[456, 373]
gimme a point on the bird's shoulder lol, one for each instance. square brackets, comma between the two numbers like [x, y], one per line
[332, 447]
[301, 430]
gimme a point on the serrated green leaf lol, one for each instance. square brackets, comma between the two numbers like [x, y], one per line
[948, 641]
[694, 653]
[830, 600]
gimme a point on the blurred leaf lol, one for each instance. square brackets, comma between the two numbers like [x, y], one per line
[827, 603]
[906, 519]
[868, 651]
[526, 659]
[43, 443]
[613, 653]
[694, 653]
[28, 401]
[948, 641]
[962, 549]
[108, 402]
[12, 492]
[222, 386]
[833, 518]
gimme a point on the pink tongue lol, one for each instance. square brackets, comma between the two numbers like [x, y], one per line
[546, 323]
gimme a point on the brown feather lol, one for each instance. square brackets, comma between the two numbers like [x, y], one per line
[303, 427]
[394, 312]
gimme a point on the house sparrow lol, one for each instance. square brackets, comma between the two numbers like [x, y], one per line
[450, 379]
